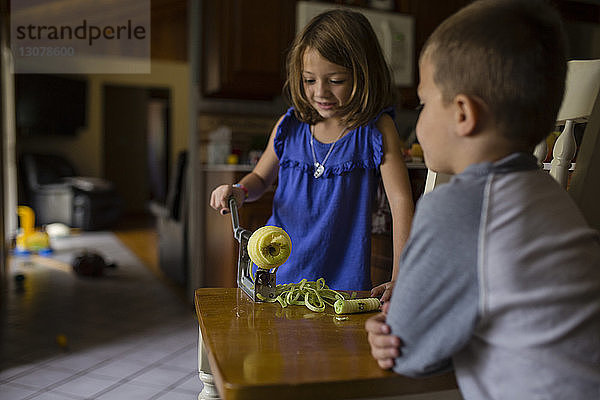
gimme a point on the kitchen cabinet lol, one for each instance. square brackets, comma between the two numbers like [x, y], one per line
[382, 260]
[217, 248]
[221, 248]
[382, 248]
[244, 47]
[169, 35]
[245, 42]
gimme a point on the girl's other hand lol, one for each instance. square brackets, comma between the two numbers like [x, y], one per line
[219, 198]
[384, 290]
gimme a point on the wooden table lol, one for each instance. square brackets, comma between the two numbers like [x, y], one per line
[260, 350]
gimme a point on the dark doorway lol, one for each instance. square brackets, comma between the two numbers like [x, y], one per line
[136, 144]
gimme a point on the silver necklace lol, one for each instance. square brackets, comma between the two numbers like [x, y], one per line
[320, 166]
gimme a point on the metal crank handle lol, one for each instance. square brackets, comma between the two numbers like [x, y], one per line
[238, 232]
[235, 219]
[244, 272]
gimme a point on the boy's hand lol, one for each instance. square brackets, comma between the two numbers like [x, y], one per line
[384, 290]
[385, 347]
[219, 198]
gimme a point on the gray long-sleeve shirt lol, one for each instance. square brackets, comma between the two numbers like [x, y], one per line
[500, 279]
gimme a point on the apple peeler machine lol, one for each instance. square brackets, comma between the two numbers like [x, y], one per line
[262, 288]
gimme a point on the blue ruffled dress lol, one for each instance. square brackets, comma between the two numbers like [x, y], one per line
[328, 218]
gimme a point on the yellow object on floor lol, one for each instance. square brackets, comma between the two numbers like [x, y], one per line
[30, 239]
[61, 341]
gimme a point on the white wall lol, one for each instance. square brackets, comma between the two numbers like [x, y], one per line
[86, 149]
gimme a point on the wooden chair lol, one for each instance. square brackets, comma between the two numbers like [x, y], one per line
[581, 92]
[581, 103]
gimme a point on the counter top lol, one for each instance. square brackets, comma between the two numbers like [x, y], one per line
[248, 167]
[227, 167]
[260, 350]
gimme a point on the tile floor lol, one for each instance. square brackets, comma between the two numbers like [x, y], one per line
[128, 335]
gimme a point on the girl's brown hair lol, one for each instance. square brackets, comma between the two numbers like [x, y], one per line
[344, 38]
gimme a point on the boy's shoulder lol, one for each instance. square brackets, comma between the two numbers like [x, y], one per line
[465, 193]
[452, 210]
[476, 174]
[461, 191]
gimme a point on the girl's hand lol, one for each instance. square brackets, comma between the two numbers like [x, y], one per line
[385, 347]
[219, 198]
[384, 290]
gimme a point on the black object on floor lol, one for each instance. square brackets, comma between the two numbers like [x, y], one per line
[90, 264]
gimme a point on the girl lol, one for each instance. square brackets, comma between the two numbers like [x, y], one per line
[328, 153]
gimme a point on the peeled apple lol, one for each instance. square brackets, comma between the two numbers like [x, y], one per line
[269, 247]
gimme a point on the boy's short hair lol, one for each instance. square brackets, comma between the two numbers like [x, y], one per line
[345, 38]
[509, 53]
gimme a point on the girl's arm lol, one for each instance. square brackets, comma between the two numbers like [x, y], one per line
[398, 191]
[256, 182]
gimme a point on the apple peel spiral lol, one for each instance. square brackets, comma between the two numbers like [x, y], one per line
[269, 247]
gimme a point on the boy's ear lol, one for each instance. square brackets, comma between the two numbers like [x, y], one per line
[467, 114]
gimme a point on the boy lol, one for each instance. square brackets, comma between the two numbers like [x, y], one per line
[500, 278]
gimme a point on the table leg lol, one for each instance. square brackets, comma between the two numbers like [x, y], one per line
[209, 390]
